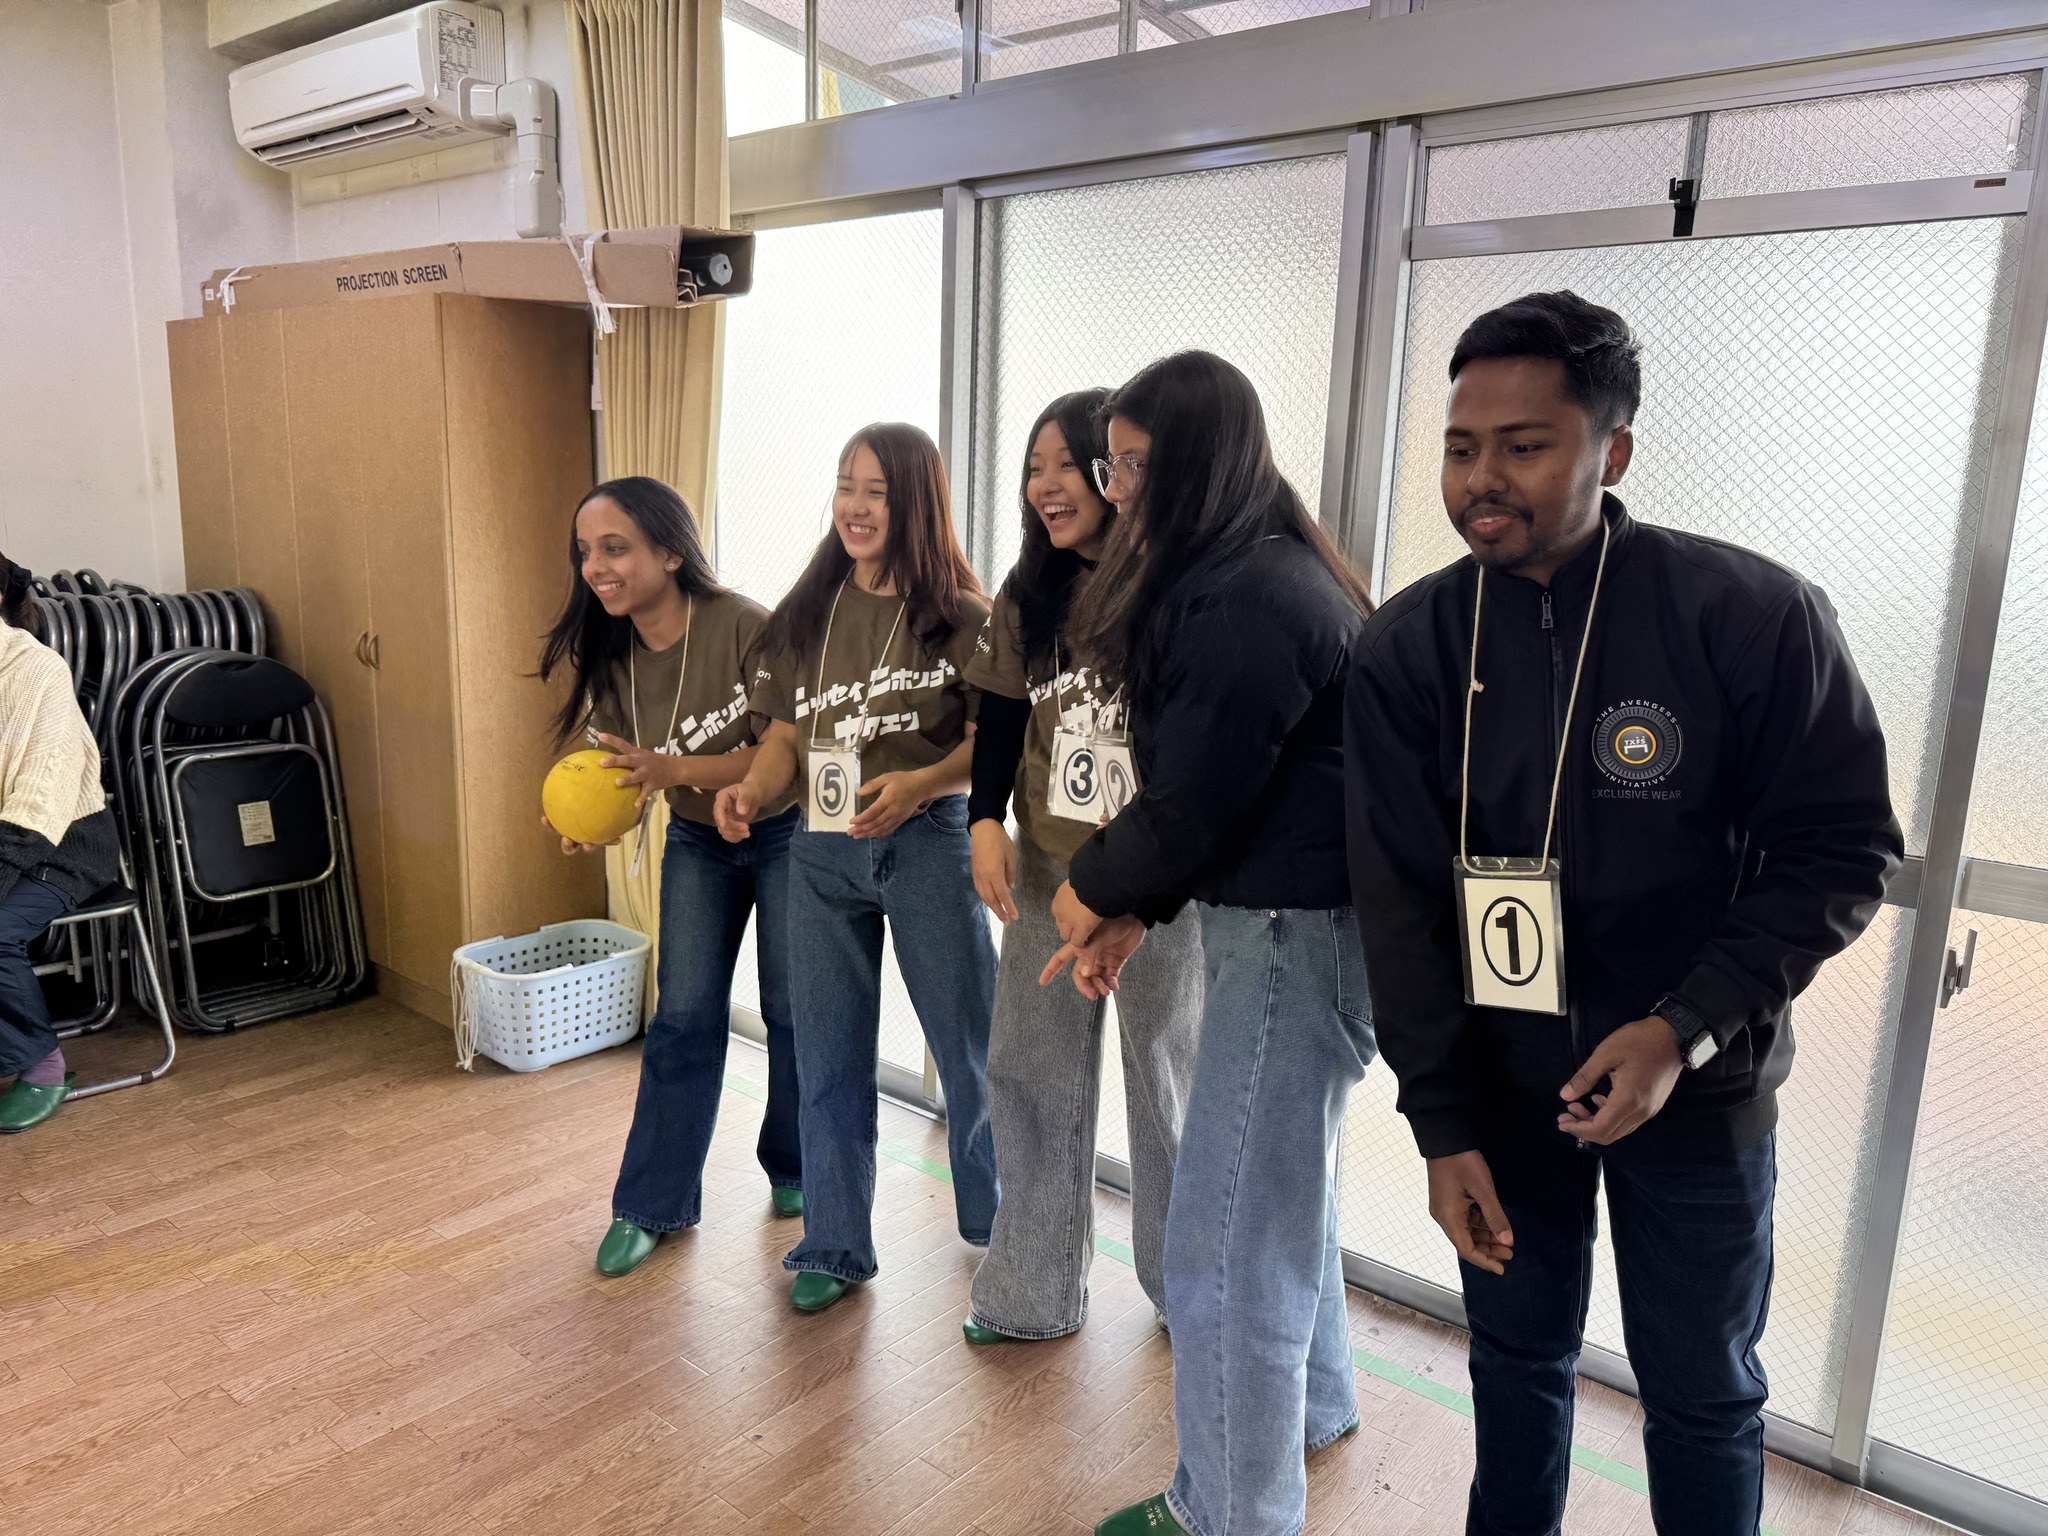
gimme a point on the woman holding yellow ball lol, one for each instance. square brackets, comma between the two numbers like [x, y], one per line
[661, 661]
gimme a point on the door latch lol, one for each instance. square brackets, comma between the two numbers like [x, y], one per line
[1685, 198]
[1955, 970]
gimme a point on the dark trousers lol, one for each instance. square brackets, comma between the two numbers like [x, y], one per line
[26, 1033]
[1692, 1251]
[708, 886]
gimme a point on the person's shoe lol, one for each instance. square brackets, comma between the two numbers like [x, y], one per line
[23, 1107]
[1154, 1517]
[974, 1333]
[1343, 1434]
[788, 1202]
[624, 1249]
[813, 1292]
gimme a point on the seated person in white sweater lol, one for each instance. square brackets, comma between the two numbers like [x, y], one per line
[57, 843]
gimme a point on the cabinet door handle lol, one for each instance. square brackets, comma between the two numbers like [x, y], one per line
[363, 649]
[376, 652]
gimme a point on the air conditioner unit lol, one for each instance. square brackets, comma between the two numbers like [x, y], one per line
[385, 91]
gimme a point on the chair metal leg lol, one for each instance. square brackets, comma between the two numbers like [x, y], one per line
[163, 1018]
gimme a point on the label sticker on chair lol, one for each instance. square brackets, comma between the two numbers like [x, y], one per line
[257, 827]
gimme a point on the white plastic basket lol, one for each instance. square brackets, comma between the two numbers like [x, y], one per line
[544, 997]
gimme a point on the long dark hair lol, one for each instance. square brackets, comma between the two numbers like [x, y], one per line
[586, 637]
[1041, 583]
[921, 558]
[18, 598]
[1210, 493]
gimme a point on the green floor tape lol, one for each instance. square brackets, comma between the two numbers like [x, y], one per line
[1617, 1472]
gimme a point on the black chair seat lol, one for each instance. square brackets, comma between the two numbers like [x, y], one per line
[111, 901]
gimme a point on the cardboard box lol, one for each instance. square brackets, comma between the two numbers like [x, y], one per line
[667, 268]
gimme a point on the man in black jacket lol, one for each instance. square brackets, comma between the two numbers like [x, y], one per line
[1613, 795]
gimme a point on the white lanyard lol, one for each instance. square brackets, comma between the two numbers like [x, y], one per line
[867, 689]
[633, 678]
[1059, 703]
[1475, 687]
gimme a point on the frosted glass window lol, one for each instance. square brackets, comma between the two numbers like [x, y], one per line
[1086, 286]
[2009, 808]
[1965, 1371]
[1627, 166]
[764, 66]
[817, 350]
[1959, 128]
[1819, 397]
[875, 52]
[1021, 36]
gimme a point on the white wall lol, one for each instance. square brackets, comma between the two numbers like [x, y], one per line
[77, 486]
[121, 190]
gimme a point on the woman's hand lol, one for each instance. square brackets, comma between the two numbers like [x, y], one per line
[1076, 923]
[897, 798]
[1099, 964]
[570, 845]
[647, 770]
[735, 809]
[995, 868]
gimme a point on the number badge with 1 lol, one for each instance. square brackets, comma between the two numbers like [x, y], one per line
[1511, 910]
[1093, 773]
[833, 773]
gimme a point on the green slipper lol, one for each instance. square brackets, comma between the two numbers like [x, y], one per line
[624, 1249]
[1154, 1517]
[813, 1292]
[974, 1333]
[23, 1107]
[788, 1202]
[1343, 1434]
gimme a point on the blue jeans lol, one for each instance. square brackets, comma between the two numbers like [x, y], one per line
[919, 878]
[26, 1033]
[1692, 1252]
[1254, 1279]
[708, 886]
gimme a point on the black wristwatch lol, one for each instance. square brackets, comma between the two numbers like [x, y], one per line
[1696, 1043]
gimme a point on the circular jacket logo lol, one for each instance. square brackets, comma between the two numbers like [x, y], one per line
[1637, 742]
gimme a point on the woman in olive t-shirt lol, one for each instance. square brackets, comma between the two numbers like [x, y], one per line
[662, 657]
[860, 679]
[1045, 1049]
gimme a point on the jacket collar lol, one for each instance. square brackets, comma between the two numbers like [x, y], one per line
[1572, 586]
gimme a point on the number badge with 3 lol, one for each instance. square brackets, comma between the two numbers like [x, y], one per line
[1511, 931]
[1093, 777]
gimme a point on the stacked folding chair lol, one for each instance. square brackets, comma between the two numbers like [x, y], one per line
[233, 819]
[239, 902]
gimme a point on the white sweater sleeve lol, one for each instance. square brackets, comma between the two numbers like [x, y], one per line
[49, 762]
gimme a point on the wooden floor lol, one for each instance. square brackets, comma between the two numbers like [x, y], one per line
[318, 1281]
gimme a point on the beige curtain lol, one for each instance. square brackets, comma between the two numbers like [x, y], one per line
[650, 103]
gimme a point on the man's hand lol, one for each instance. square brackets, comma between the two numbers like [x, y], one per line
[1462, 1201]
[735, 809]
[1640, 1063]
[647, 770]
[897, 798]
[1098, 965]
[1076, 923]
[995, 868]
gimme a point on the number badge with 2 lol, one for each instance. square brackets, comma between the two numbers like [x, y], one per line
[835, 785]
[1093, 777]
[1511, 933]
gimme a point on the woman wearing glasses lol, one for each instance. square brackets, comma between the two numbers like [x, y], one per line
[860, 678]
[1043, 708]
[1230, 617]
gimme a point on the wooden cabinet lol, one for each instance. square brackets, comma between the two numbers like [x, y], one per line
[396, 479]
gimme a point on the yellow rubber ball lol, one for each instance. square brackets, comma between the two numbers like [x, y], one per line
[584, 802]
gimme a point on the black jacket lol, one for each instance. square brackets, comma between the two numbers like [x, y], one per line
[1240, 752]
[1754, 844]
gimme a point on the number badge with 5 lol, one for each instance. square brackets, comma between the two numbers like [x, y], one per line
[835, 782]
[1511, 932]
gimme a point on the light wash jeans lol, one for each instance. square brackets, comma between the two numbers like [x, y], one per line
[1254, 1283]
[1044, 1082]
[921, 878]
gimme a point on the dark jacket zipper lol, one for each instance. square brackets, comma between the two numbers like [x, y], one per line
[1560, 691]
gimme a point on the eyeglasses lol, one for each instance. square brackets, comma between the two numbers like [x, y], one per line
[1125, 467]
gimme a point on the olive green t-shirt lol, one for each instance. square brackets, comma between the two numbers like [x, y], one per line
[707, 703]
[1068, 689]
[908, 706]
